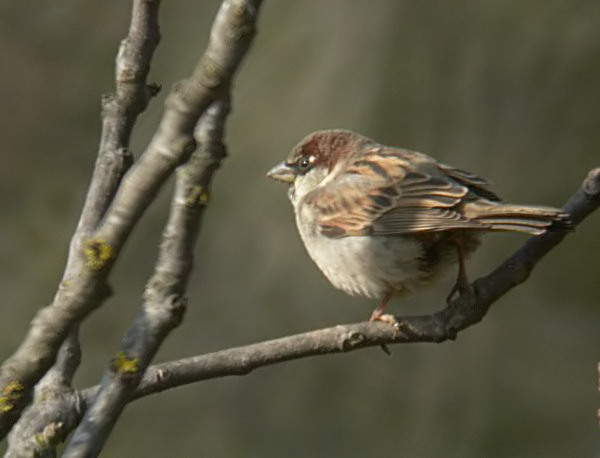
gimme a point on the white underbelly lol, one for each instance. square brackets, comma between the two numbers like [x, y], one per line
[368, 266]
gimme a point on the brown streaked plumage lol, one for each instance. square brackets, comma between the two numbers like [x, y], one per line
[379, 220]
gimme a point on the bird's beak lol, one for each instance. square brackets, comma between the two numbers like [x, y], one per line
[282, 172]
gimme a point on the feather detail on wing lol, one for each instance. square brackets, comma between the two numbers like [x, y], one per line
[398, 192]
[475, 183]
[382, 194]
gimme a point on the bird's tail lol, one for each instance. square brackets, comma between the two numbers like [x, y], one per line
[530, 219]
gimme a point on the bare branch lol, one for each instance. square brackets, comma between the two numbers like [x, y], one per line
[83, 288]
[79, 294]
[171, 145]
[120, 111]
[164, 301]
[56, 409]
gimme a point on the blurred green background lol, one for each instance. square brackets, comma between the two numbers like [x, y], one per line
[508, 89]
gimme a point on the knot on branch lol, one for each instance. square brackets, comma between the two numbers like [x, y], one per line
[152, 90]
[351, 340]
[591, 184]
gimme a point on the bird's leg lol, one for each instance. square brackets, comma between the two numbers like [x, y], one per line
[462, 282]
[378, 313]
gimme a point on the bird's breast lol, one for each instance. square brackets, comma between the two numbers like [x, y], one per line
[369, 266]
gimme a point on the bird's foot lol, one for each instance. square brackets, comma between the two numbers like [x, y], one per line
[457, 291]
[386, 318]
[390, 319]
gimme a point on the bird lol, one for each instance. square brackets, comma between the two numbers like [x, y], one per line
[381, 221]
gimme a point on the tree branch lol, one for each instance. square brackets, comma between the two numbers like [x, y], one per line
[171, 145]
[82, 289]
[56, 409]
[164, 301]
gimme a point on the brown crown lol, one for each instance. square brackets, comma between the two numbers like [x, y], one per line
[328, 146]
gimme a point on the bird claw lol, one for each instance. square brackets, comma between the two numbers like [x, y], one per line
[458, 291]
[386, 318]
[389, 319]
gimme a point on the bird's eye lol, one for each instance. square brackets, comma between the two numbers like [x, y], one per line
[305, 163]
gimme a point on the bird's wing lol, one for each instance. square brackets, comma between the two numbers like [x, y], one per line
[395, 192]
[476, 184]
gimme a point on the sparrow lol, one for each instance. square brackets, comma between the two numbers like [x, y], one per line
[380, 221]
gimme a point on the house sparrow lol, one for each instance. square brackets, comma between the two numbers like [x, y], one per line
[379, 220]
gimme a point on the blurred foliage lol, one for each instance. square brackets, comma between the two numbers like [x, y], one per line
[508, 89]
